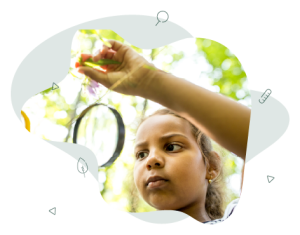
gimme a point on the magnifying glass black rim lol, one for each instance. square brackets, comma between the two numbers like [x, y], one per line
[121, 134]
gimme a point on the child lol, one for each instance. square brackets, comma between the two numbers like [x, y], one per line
[191, 173]
[175, 167]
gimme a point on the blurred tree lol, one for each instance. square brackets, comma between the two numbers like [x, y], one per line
[228, 73]
[72, 116]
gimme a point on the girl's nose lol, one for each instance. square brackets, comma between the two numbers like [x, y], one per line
[155, 160]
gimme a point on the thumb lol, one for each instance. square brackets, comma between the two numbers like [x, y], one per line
[115, 45]
[95, 74]
[82, 70]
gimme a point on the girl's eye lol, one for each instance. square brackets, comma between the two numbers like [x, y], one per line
[138, 154]
[142, 155]
[173, 147]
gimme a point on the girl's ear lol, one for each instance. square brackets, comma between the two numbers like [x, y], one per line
[218, 156]
[212, 168]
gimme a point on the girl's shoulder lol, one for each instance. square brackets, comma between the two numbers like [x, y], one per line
[229, 209]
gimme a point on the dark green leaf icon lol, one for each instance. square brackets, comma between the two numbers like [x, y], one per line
[52, 211]
[82, 166]
[270, 178]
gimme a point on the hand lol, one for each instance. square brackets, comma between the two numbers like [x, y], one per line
[131, 77]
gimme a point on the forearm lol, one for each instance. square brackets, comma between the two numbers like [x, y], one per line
[223, 120]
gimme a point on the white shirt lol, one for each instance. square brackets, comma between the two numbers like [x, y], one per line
[227, 213]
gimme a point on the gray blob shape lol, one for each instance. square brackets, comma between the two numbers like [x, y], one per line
[161, 217]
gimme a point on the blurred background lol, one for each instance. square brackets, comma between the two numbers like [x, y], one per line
[203, 62]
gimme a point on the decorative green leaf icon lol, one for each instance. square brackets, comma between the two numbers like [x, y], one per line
[82, 170]
[270, 178]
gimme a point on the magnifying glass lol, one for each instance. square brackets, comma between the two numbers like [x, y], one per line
[102, 130]
[161, 14]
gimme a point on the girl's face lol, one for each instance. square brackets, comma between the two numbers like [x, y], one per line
[169, 171]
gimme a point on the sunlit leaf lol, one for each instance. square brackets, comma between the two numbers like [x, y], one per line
[87, 31]
[94, 31]
[46, 91]
[149, 67]
[138, 50]
[90, 63]
[72, 74]
[98, 35]
[106, 43]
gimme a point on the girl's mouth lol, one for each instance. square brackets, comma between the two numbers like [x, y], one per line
[157, 184]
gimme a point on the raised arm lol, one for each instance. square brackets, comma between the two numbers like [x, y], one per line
[222, 119]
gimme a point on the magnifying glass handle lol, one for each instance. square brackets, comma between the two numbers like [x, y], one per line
[157, 23]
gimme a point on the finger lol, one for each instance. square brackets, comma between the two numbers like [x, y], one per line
[96, 55]
[94, 74]
[104, 52]
[84, 57]
[115, 45]
[104, 67]
[110, 54]
[102, 55]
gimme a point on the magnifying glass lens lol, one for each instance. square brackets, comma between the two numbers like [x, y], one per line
[99, 131]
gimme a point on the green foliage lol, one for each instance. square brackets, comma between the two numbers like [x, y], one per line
[109, 34]
[154, 52]
[177, 57]
[88, 31]
[138, 50]
[227, 72]
[46, 91]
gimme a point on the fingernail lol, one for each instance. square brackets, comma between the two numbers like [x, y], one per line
[96, 53]
[79, 70]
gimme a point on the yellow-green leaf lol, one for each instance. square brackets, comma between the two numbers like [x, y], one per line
[106, 43]
[149, 67]
[90, 62]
